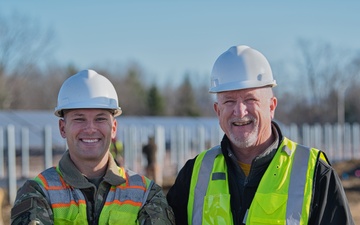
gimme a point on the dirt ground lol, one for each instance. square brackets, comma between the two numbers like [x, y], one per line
[349, 172]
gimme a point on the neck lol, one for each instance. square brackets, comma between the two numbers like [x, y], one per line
[93, 169]
[247, 155]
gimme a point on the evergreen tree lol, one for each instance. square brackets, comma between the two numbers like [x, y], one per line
[155, 102]
[186, 101]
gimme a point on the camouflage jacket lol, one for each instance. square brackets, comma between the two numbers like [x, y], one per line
[31, 205]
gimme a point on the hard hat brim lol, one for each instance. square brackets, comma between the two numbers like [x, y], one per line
[59, 111]
[233, 86]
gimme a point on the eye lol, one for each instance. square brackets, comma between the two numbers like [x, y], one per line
[79, 119]
[230, 101]
[101, 119]
[251, 100]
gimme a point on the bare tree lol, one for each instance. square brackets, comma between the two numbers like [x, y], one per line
[23, 43]
[325, 72]
[326, 68]
[24, 46]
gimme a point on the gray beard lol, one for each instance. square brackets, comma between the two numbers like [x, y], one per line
[245, 142]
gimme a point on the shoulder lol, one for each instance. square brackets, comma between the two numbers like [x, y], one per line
[156, 210]
[186, 171]
[326, 178]
[30, 188]
[31, 203]
[180, 189]
[323, 166]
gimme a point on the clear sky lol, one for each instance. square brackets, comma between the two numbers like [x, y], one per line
[169, 38]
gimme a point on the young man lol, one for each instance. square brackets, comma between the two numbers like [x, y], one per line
[87, 187]
[256, 175]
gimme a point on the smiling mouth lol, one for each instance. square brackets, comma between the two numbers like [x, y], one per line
[92, 140]
[243, 123]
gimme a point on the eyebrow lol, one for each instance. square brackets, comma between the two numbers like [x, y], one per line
[244, 96]
[83, 114]
[227, 96]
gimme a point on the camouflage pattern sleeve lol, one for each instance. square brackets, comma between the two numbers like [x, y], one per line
[156, 210]
[31, 206]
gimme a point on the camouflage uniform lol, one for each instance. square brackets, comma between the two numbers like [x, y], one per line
[32, 207]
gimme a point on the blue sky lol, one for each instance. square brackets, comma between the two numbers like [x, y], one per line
[169, 38]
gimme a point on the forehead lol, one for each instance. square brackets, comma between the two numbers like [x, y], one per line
[242, 92]
[86, 112]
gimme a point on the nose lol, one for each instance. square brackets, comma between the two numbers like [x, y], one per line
[90, 126]
[240, 109]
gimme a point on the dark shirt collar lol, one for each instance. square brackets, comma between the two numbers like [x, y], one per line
[75, 178]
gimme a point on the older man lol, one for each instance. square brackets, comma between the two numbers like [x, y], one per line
[256, 175]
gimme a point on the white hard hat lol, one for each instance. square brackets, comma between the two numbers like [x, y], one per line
[240, 67]
[87, 89]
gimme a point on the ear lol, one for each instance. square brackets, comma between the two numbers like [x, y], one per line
[216, 108]
[62, 128]
[114, 128]
[273, 104]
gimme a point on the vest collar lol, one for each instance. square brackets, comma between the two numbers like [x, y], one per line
[112, 175]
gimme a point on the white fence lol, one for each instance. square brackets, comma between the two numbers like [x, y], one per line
[338, 142]
[176, 144]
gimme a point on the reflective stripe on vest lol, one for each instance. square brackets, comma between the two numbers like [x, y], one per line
[69, 204]
[285, 190]
[200, 187]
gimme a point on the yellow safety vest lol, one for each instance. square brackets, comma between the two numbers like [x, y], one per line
[283, 195]
[122, 203]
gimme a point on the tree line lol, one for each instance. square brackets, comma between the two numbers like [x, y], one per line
[320, 85]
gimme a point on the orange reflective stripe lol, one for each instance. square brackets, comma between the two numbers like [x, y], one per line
[69, 203]
[63, 183]
[44, 181]
[55, 188]
[52, 187]
[127, 186]
[143, 179]
[128, 202]
[64, 205]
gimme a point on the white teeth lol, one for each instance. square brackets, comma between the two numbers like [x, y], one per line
[90, 140]
[241, 123]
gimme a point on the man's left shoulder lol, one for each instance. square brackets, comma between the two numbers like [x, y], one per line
[157, 207]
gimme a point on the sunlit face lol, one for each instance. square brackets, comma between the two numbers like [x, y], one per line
[245, 115]
[88, 133]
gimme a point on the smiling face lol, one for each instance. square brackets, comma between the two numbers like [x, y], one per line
[88, 133]
[245, 116]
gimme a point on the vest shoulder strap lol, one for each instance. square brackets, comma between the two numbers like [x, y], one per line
[202, 171]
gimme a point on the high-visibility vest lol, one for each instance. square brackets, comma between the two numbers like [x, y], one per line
[282, 197]
[122, 203]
